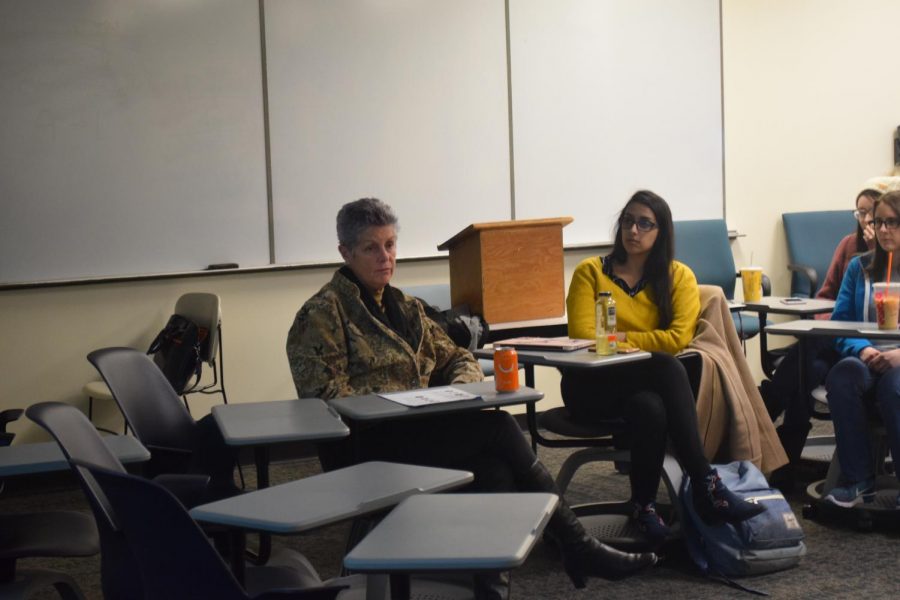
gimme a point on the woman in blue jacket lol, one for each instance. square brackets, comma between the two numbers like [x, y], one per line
[868, 375]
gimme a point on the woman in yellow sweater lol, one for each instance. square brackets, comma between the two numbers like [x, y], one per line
[657, 306]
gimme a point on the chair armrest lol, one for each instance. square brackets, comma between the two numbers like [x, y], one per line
[8, 416]
[191, 490]
[808, 272]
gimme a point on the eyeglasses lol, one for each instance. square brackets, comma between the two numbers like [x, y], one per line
[889, 224]
[643, 224]
[861, 213]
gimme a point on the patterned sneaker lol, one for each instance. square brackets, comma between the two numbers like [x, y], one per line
[715, 503]
[649, 522]
[851, 495]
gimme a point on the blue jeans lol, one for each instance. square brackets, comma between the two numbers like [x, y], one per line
[852, 390]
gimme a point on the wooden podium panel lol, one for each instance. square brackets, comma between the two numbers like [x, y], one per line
[509, 270]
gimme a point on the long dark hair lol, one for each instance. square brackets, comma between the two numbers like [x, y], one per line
[658, 268]
[877, 269]
[873, 195]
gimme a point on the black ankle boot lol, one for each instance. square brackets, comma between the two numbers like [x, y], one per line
[583, 555]
[649, 522]
[716, 504]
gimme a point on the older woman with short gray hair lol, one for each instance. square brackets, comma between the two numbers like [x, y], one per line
[359, 335]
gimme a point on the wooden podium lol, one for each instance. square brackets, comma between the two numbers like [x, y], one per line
[509, 270]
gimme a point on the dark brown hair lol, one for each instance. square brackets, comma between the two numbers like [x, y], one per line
[873, 195]
[658, 268]
[877, 269]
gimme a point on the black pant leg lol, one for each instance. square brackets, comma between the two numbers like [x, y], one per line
[488, 443]
[607, 393]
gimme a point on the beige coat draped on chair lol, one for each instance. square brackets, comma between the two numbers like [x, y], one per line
[734, 423]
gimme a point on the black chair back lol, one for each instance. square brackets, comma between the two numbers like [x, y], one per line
[174, 555]
[81, 444]
[153, 410]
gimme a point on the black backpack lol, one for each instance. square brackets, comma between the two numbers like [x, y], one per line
[466, 330]
[177, 351]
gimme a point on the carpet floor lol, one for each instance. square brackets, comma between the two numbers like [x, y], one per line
[842, 561]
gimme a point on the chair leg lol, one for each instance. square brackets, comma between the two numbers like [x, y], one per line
[220, 366]
[581, 457]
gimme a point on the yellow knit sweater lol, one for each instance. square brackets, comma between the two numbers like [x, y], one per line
[636, 315]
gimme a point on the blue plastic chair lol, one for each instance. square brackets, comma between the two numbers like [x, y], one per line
[811, 240]
[705, 248]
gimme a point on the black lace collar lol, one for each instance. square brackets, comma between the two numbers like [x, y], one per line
[608, 271]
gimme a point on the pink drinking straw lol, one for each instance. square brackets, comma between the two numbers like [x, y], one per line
[890, 259]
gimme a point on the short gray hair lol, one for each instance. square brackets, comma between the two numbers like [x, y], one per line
[357, 216]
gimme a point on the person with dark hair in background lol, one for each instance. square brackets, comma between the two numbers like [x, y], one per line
[782, 393]
[657, 307]
[867, 378]
[359, 335]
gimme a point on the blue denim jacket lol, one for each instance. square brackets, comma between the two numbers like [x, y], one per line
[852, 303]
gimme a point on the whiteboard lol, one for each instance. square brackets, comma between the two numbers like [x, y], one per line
[134, 132]
[401, 100]
[132, 137]
[612, 96]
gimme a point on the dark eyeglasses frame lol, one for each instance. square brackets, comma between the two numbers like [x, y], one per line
[890, 223]
[644, 225]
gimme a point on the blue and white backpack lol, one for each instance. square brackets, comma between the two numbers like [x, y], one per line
[770, 541]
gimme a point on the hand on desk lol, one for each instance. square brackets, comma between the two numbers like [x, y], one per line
[878, 361]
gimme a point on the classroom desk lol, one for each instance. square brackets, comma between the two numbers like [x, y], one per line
[261, 424]
[776, 305]
[455, 532]
[372, 407]
[319, 500]
[804, 329]
[807, 328]
[579, 359]
[45, 457]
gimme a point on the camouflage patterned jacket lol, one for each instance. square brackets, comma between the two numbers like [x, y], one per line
[337, 348]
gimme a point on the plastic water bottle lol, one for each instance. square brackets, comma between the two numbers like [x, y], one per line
[605, 327]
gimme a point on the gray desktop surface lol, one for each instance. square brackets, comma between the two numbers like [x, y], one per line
[577, 358]
[777, 305]
[277, 421]
[322, 499]
[810, 327]
[44, 457]
[373, 407]
[454, 532]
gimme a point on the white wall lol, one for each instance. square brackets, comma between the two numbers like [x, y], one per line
[811, 99]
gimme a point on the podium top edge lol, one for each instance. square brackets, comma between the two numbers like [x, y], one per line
[517, 224]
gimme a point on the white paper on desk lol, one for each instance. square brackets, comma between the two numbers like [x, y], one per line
[435, 395]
